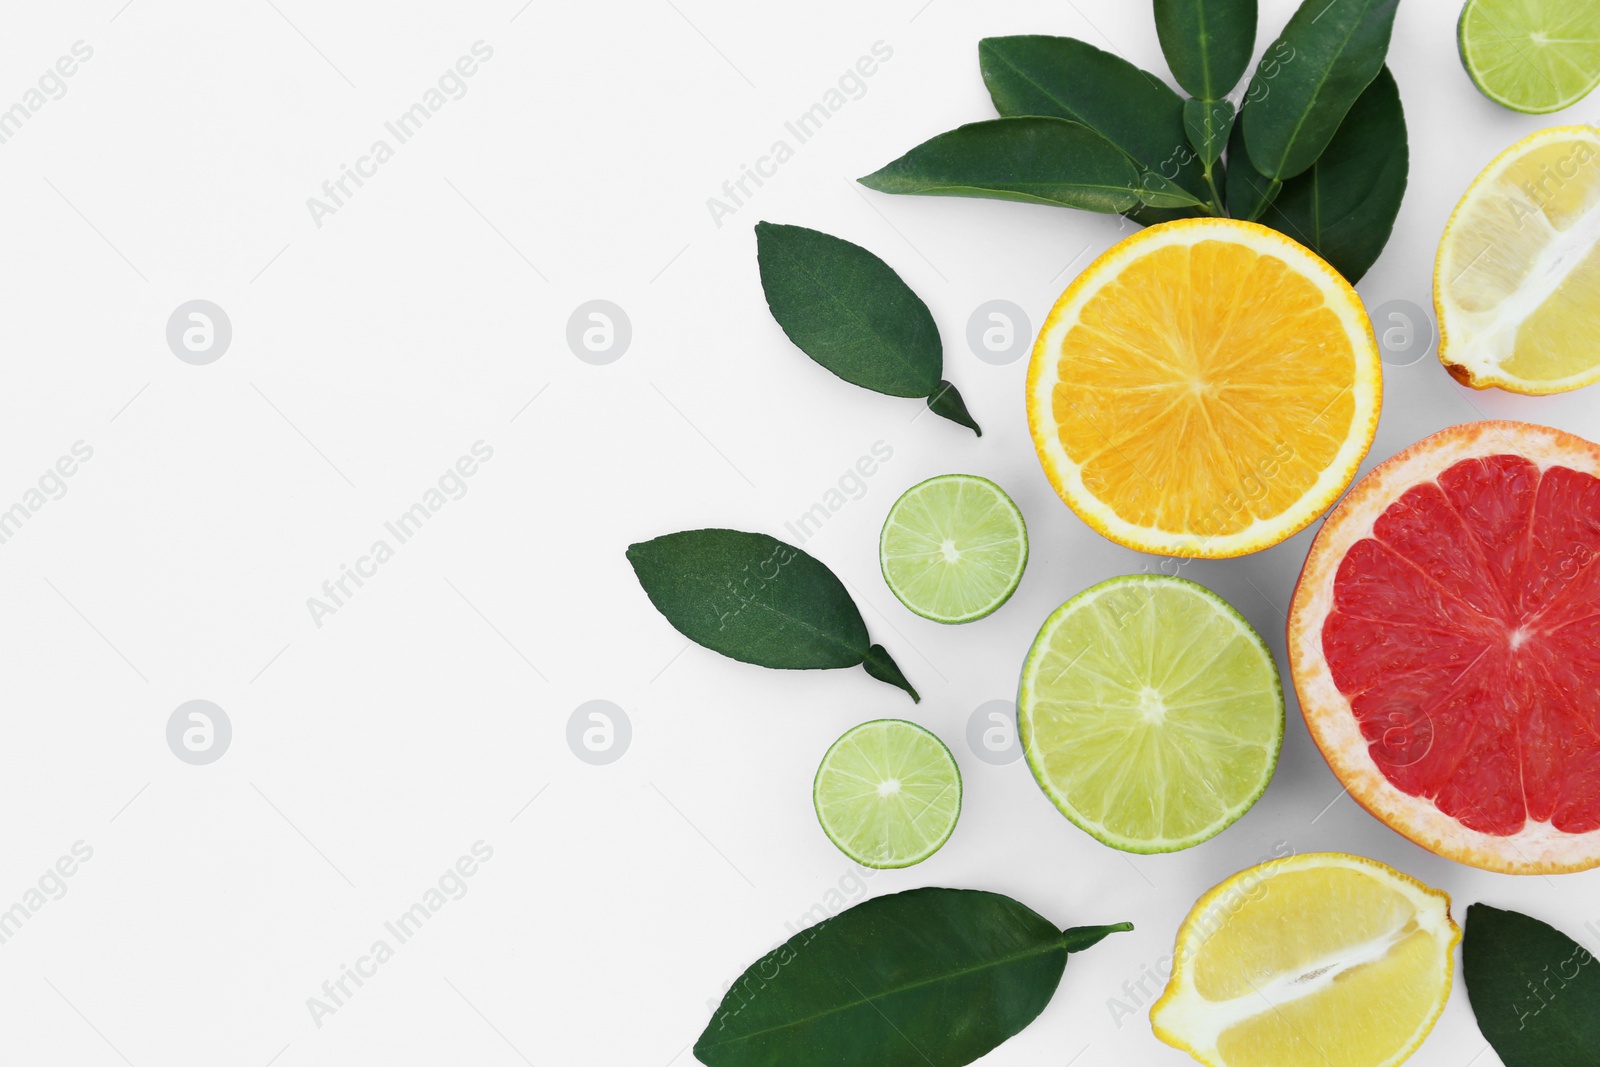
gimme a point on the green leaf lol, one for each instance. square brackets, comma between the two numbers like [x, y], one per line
[1151, 216]
[1249, 191]
[1535, 991]
[1207, 43]
[1308, 79]
[758, 600]
[1131, 108]
[1079, 938]
[1034, 160]
[947, 403]
[1208, 124]
[848, 310]
[925, 978]
[1344, 207]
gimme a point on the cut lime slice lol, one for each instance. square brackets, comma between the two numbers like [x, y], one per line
[1151, 712]
[888, 793]
[953, 548]
[1533, 56]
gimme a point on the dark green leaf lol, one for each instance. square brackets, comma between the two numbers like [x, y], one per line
[924, 978]
[1308, 79]
[1208, 124]
[1131, 108]
[1207, 43]
[1535, 991]
[1034, 160]
[884, 669]
[1344, 207]
[757, 600]
[848, 310]
[1249, 191]
[947, 403]
[1151, 216]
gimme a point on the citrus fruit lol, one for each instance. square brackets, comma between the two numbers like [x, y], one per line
[1150, 712]
[953, 548]
[1533, 56]
[1445, 643]
[888, 793]
[1206, 387]
[1517, 281]
[1321, 960]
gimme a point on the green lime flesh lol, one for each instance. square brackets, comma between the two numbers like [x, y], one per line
[888, 793]
[1151, 713]
[1532, 56]
[953, 548]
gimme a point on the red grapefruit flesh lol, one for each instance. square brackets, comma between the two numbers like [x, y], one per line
[1445, 645]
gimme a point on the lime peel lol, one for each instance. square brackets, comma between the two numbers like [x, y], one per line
[953, 548]
[1151, 713]
[1532, 56]
[888, 793]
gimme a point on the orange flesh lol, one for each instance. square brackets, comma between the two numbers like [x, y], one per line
[1205, 387]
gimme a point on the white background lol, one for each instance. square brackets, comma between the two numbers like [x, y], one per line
[372, 351]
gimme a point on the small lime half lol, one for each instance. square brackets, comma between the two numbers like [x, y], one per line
[953, 548]
[1532, 56]
[888, 793]
[1151, 712]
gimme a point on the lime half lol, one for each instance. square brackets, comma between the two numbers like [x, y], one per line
[1533, 56]
[953, 548]
[1151, 712]
[888, 793]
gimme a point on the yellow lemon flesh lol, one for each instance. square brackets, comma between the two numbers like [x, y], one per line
[1517, 281]
[1325, 959]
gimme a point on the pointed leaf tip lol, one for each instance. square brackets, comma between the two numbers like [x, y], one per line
[884, 669]
[947, 403]
[1029, 158]
[752, 598]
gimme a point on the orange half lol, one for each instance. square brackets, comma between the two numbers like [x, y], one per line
[1206, 388]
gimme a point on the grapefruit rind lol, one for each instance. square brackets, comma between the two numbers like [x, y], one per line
[1539, 848]
[1043, 375]
[1184, 1019]
[1466, 368]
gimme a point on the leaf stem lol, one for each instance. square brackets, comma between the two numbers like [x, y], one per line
[1078, 938]
[1215, 206]
[1266, 197]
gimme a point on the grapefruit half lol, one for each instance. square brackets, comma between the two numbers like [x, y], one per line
[1445, 645]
